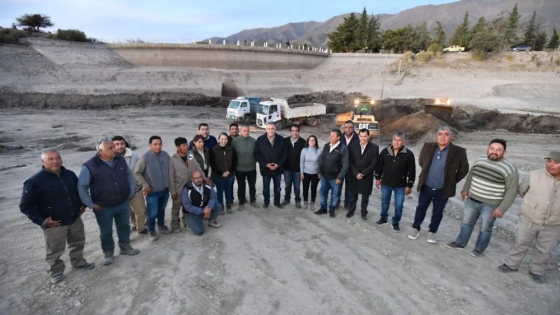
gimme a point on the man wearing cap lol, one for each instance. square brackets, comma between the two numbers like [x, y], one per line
[489, 190]
[539, 220]
[137, 204]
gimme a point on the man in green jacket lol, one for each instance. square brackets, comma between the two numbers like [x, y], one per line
[246, 170]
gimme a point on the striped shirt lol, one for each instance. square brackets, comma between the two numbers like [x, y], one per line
[493, 182]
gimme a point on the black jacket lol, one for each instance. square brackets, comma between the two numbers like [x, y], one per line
[266, 153]
[364, 164]
[223, 159]
[293, 154]
[334, 165]
[46, 194]
[355, 139]
[396, 171]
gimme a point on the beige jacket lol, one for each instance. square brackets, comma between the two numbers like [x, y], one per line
[180, 174]
[541, 198]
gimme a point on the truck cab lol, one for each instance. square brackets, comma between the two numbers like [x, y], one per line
[243, 109]
[269, 111]
[282, 114]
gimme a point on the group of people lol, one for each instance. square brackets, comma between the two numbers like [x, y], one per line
[123, 187]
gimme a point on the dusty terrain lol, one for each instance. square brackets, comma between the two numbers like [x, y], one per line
[271, 261]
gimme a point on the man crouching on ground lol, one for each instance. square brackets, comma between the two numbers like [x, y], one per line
[200, 202]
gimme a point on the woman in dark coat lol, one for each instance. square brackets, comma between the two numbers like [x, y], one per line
[363, 159]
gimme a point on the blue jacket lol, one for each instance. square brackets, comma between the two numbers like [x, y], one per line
[47, 194]
[109, 186]
[194, 202]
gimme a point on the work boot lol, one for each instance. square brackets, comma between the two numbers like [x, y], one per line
[58, 278]
[505, 269]
[108, 258]
[164, 229]
[285, 202]
[128, 250]
[86, 266]
[144, 231]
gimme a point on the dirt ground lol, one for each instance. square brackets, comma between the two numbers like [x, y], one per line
[270, 261]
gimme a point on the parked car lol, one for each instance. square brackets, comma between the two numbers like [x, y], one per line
[522, 48]
[454, 48]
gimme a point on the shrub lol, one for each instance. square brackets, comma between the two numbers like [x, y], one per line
[558, 62]
[479, 55]
[533, 57]
[435, 47]
[424, 55]
[72, 35]
[10, 36]
[439, 55]
[408, 55]
[509, 57]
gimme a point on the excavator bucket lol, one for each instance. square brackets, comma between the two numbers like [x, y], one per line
[441, 108]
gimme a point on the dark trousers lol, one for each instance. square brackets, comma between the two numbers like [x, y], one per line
[347, 192]
[292, 179]
[266, 188]
[427, 196]
[308, 179]
[105, 217]
[251, 178]
[354, 200]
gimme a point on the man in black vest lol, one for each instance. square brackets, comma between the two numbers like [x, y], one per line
[270, 151]
[200, 202]
[294, 145]
[50, 199]
[363, 159]
[106, 185]
[333, 166]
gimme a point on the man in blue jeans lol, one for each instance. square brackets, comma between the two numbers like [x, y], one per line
[490, 189]
[152, 173]
[106, 185]
[270, 152]
[333, 166]
[294, 145]
[396, 172]
[200, 202]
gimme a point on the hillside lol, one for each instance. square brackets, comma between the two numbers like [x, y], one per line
[450, 15]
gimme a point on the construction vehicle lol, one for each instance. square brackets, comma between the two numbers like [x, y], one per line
[243, 109]
[440, 107]
[282, 114]
[362, 116]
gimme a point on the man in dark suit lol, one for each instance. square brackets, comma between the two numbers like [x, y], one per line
[363, 159]
[349, 136]
[270, 152]
[443, 166]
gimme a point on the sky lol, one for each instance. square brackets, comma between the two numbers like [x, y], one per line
[187, 19]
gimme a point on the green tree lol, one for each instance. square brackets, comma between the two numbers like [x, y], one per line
[399, 40]
[422, 38]
[34, 21]
[530, 34]
[554, 41]
[479, 27]
[510, 33]
[439, 37]
[540, 41]
[373, 34]
[362, 31]
[486, 41]
[461, 32]
[344, 39]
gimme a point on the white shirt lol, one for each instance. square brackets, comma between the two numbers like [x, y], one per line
[348, 139]
[333, 146]
[363, 147]
[294, 141]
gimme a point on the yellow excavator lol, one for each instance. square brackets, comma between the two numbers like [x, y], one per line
[363, 117]
[441, 108]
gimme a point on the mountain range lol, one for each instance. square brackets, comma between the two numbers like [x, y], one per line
[449, 14]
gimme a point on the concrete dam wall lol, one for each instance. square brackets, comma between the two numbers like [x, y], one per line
[218, 56]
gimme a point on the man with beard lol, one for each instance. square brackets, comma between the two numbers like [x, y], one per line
[209, 141]
[489, 190]
[137, 204]
[200, 202]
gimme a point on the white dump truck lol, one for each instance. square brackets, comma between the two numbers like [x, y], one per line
[278, 111]
[243, 109]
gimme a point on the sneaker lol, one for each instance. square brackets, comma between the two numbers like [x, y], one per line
[331, 214]
[431, 238]
[298, 204]
[128, 250]
[153, 236]
[279, 205]
[414, 234]
[176, 230]
[476, 253]
[321, 211]
[505, 269]
[240, 207]
[162, 229]
[144, 231]
[537, 278]
[364, 217]
[214, 224]
[454, 245]
[285, 202]
[396, 228]
[133, 227]
[381, 222]
[86, 266]
[254, 204]
[108, 258]
[58, 278]
[228, 209]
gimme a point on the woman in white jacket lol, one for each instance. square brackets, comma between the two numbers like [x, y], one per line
[309, 168]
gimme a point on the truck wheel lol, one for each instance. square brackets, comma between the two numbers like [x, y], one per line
[279, 125]
[247, 120]
[312, 121]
